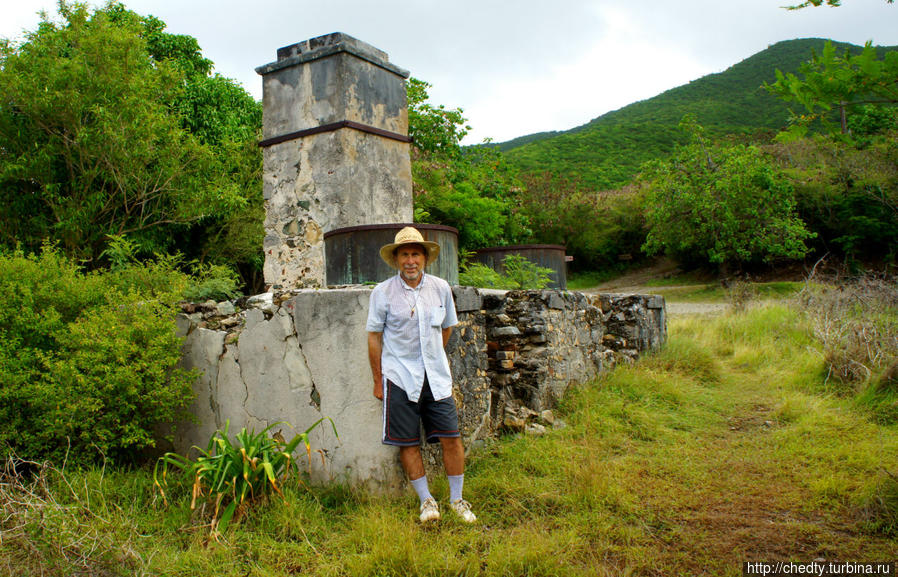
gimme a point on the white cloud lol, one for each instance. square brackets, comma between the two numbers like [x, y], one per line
[514, 67]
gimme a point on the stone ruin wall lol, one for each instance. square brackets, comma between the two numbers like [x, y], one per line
[296, 356]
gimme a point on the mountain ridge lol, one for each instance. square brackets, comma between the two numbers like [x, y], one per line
[607, 151]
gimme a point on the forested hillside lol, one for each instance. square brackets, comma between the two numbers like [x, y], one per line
[607, 152]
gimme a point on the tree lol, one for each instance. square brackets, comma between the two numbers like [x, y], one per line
[433, 129]
[724, 206]
[832, 3]
[842, 82]
[110, 126]
[471, 189]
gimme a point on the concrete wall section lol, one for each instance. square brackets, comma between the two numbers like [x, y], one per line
[296, 356]
[356, 178]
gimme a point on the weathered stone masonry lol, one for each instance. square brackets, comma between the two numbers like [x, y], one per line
[298, 355]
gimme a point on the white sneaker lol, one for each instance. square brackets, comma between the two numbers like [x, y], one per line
[430, 511]
[463, 509]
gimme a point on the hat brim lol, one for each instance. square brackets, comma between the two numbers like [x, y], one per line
[386, 251]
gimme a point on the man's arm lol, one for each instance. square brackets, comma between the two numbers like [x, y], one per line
[447, 332]
[375, 349]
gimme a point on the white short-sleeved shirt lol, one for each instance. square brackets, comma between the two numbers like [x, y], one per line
[413, 343]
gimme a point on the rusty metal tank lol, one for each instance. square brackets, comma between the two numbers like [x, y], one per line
[352, 254]
[545, 255]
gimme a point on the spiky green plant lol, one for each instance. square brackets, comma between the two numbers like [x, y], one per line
[233, 473]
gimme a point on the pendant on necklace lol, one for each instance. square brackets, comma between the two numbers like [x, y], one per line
[413, 312]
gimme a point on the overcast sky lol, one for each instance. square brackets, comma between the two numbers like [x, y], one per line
[515, 67]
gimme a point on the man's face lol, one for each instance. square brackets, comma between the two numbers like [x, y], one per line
[411, 259]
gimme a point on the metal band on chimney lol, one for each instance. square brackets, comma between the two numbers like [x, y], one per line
[330, 128]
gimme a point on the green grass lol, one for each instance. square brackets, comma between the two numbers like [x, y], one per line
[714, 292]
[722, 448]
[590, 279]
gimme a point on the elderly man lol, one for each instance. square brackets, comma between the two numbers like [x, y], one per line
[410, 319]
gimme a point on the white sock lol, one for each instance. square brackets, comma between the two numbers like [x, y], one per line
[456, 483]
[421, 488]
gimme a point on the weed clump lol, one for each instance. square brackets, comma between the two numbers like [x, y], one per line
[856, 324]
[741, 293]
[878, 509]
[49, 526]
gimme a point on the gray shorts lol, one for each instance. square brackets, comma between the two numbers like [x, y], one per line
[403, 418]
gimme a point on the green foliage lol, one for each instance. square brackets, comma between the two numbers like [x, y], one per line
[597, 230]
[228, 472]
[479, 275]
[212, 281]
[113, 127]
[480, 220]
[88, 364]
[525, 274]
[846, 195]
[817, 3]
[169, 274]
[722, 206]
[843, 82]
[433, 129]
[471, 190]
[518, 273]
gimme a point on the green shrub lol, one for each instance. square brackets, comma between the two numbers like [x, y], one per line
[526, 274]
[520, 274]
[164, 275]
[479, 275]
[87, 370]
[214, 281]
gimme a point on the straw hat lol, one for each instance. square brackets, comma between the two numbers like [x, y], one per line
[409, 235]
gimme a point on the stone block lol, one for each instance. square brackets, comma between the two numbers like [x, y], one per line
[554, 300]
[467, 299]
[500, 332]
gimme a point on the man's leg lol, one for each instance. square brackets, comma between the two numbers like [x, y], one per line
[453, 456]
[454, 463]
[413, 465]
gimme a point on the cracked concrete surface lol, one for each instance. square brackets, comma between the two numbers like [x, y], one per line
[304, 361]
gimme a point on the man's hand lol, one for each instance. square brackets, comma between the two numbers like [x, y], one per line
[379, 390]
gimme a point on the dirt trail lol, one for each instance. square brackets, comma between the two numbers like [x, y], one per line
[635, 282]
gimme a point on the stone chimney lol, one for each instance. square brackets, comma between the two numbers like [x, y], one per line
[336, 151]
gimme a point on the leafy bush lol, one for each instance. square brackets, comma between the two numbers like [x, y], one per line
[88, 368]
[479, 275]
[520, 274]
[164, 276]
[595, 228]
[213, 281]
[721, 205]
[227, 472]
[846, 194]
